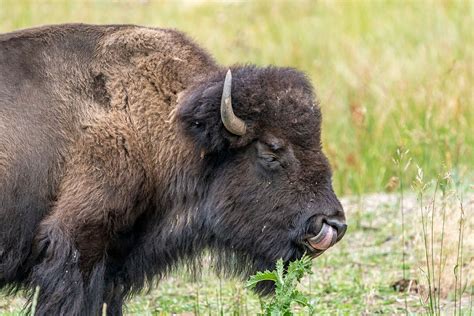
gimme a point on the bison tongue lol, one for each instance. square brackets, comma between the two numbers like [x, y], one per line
[325, 239]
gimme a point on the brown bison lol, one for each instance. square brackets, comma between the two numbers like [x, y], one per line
[125, 151]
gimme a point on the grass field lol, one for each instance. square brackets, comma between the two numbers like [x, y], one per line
[391, 77]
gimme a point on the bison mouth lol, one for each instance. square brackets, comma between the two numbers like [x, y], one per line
[325, 239]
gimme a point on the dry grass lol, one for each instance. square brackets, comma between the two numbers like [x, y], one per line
[447, 224]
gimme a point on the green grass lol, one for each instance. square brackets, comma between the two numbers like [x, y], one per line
[391, 77]
[354, 278]
[388, 75]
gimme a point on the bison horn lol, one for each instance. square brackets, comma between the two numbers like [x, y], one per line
[231, 122]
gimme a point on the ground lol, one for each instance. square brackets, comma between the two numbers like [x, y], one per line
[359, 276]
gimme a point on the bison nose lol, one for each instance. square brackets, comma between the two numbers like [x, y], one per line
[325, 231]
[339, 225]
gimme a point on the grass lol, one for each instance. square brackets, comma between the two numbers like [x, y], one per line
[391, 77]
[361, 276]
[388, 75]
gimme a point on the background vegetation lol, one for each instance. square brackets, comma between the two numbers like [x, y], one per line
[391, 77]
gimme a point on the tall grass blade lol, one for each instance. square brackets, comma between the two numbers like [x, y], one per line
[433, 210]
[443, 187]
[35, 300]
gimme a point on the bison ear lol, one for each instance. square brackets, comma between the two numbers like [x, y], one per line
[199, 115]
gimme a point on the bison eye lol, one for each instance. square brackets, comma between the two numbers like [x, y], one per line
[270, 154]
[269, 161]
[269, 158]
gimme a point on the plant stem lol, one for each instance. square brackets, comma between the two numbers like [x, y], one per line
[425, 239]
[440, 268]
[400, 176]
[435, 301]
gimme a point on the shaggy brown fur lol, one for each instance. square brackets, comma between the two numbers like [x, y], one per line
[115, 165]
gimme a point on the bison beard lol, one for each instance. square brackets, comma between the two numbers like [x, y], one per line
[126, 152]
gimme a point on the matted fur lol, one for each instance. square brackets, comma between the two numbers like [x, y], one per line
[115, 167]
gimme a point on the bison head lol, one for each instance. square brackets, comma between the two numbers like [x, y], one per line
[268, 184]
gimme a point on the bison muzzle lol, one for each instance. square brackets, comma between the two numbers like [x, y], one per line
[126, 151]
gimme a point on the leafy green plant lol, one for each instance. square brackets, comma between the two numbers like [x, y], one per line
[286, 292]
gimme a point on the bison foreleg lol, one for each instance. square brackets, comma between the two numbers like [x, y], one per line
[63, 288]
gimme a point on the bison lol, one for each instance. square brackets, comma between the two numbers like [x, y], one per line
[126, 151]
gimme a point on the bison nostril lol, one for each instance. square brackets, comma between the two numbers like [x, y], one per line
[340, 226]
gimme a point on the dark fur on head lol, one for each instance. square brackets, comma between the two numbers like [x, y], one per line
[118, 169]
[266, 98]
